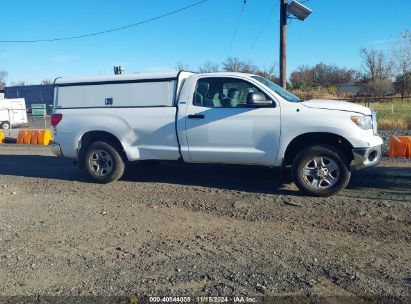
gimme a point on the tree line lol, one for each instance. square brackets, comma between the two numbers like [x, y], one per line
[381, 72]
[234, 64]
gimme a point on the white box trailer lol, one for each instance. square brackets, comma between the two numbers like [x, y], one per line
[13, 113]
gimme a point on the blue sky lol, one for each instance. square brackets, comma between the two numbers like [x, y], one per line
[333, 34]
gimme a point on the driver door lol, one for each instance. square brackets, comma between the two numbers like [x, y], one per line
[222, 128]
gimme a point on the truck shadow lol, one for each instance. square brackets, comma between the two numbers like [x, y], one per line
[229, 177]
[40, 166]
[240, 178]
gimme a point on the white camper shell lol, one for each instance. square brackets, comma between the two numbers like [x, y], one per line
[13, 113]
[134, 90]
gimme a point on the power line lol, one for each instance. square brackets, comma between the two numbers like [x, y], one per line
[263, 28]
[236, 27]
[110, 30]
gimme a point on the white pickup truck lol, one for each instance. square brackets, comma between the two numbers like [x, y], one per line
[230, 118]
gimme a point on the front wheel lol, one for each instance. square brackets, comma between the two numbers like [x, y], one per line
[320, 171]
[103, 162]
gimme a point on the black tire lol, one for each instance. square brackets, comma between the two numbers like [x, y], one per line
[103, 162]
[5, 125]
[320, 171]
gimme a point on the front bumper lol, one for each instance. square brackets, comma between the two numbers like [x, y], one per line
[366, 157]
[56, 149]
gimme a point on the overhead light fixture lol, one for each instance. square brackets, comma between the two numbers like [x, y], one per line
[298, 10]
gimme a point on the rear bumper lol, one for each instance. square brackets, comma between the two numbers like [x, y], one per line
[366, 157]
[56, 149]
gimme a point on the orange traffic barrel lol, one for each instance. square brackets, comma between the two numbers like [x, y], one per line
[21, 136]
[27, 137]
[1, 137]
[44, 138]
[34, 140]
[400, 146]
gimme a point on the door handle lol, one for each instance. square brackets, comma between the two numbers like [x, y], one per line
[196, 116]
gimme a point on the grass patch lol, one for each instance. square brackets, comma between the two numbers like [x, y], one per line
[394, 114]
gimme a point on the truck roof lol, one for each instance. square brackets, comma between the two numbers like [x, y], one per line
[224, 74]
[166, 75]
[114, 78]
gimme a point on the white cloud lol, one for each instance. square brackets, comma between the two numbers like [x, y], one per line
[383, 42]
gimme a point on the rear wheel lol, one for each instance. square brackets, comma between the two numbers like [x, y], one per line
[103, 162]
[320, 171]
[5, 125]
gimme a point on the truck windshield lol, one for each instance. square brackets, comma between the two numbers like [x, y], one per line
[279, 90]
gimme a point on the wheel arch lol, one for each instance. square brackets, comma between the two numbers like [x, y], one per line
[93, 136]
[305, 140]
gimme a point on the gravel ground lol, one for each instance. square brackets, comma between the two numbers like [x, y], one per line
[203, 230]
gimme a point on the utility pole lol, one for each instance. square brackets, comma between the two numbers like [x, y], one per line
[298, 11]
[283, 43]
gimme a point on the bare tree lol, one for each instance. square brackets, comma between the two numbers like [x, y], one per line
[302, 77]
[46, 81]
[3, 76]
[377, 87]
[369, 62]
[331, 75]
[269, 72]
[401, 57]
[234, 64]
[321, 75]
[209, 67]
[375, 64]
[377, 71]
[180, 66]
[402, 84]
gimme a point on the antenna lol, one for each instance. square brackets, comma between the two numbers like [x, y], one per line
[118, 70]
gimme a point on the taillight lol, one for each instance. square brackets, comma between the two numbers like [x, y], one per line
[55, 119]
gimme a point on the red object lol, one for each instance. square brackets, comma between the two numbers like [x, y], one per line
[55, 119]
[400, 146]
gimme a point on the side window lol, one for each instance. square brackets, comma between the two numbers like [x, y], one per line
[223, 92]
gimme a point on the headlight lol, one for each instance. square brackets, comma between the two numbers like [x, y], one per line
[364, 122]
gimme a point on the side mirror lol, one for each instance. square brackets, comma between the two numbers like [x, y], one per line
[258, 99]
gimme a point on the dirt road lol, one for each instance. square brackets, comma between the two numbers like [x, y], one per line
[203, 230]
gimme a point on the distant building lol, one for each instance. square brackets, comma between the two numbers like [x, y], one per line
[353, 89]
[32, 94]
[349, 89]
